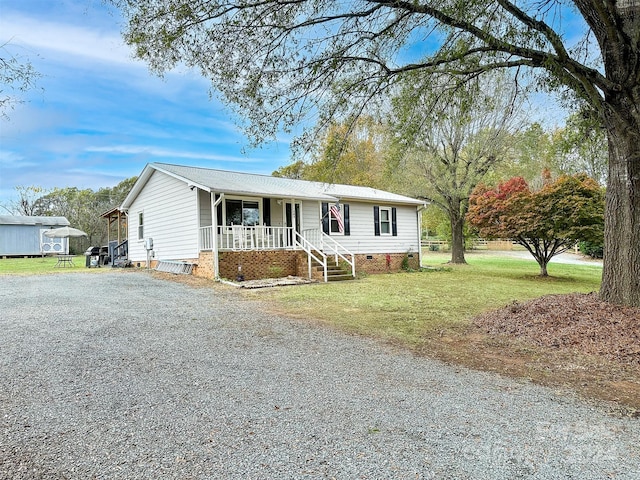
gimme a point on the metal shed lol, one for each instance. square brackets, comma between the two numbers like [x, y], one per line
[22, 236]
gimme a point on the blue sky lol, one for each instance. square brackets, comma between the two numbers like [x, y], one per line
[97, 116]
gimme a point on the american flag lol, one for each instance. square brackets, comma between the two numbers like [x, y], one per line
[335, 213]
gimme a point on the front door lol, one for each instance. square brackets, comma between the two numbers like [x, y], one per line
[292, 217]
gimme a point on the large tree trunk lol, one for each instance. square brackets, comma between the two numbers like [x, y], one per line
[456, 217]
[621, 275]
[621, 112]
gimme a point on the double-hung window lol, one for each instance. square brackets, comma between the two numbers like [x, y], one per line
[385, 221]
[336, 225]
[140, 226]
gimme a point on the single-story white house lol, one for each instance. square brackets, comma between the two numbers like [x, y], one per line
[228, 224]
[24, 235]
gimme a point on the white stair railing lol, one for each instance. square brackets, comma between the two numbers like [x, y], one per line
[331, 247]
[318, 256]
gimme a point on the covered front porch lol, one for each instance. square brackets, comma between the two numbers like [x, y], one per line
[274, 233]
[261, 252]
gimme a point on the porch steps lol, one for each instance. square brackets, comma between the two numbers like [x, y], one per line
[335, 273]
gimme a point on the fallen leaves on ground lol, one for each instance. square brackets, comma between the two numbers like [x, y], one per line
[579, 322]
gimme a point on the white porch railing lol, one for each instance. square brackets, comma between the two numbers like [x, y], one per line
[313, 236]
[329, 247]
[314, 242]
[206, 238]
[239, 237]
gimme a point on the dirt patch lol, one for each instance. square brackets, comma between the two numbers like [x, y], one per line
[271, 282]
[198, 282]
[190, 280]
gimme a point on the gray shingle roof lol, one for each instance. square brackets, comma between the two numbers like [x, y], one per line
[268, 186]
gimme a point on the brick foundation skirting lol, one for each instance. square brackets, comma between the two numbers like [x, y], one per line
[281, 263]
[142, 264]
[378, 262]
[254, 265]
[204, 269]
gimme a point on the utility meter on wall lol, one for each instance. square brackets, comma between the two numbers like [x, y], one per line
[148, 243]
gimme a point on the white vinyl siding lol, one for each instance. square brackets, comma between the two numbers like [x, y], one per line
[363, 240]
[170, 218]
[310, 213]
[204, 199]
[277, 214]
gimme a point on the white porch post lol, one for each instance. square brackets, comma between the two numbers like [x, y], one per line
[284, 212]
[285, 233]
[294, 220]
[198, 217]
[214, 232]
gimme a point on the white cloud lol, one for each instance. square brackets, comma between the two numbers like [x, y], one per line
[9, 158]
[66, 39]
[164, 153]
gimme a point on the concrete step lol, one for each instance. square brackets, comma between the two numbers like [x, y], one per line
[330, 268]
[339, 278]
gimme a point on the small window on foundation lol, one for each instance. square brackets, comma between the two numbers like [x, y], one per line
[369, 257]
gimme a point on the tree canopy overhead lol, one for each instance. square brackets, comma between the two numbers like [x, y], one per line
[277, 62]
[285, 57]
[16, 75]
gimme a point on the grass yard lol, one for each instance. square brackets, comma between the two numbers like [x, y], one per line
[39, 265]
[407, 306]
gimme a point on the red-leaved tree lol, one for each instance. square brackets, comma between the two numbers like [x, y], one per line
[545, 222]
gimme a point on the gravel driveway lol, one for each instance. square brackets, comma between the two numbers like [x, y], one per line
[154, 379]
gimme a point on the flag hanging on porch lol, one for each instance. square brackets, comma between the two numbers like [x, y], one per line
[337, 216]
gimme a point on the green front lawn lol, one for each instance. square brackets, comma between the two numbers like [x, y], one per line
[406, 307]
[38, 265]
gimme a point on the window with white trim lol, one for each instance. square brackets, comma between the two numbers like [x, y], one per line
[140, 226]
[332, 215]
[385, 221]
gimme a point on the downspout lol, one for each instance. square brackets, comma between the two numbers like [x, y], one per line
[214, 233]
